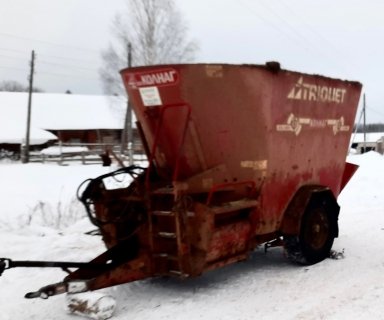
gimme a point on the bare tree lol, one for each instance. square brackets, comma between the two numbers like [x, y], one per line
[157, 33]
[14, 86]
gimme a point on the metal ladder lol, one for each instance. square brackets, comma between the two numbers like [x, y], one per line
[165, 222]
[169, 247]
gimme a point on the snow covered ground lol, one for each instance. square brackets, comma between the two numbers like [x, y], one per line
[266, 286]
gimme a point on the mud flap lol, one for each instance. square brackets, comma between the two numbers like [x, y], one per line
[349, 171]
[93, 305]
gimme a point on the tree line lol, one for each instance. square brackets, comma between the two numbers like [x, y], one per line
[14, 86]
[371, 127]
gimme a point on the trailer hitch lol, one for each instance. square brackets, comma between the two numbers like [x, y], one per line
[56, 288]
[70, 286]
[48, 291]
[6, 263]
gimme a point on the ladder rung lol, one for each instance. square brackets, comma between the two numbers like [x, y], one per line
[168, 235]
[165, 256]
[163, 213]
[235, 206]
[178, 273]
[165, 190]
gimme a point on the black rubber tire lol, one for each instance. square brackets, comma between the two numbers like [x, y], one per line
[317, 233]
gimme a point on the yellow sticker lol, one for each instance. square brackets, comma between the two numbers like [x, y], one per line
[214, 71]
[255, 164]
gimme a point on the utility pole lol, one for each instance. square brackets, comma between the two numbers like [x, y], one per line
[26, 147]
[129, 113]
[127, 132]
[364, 125]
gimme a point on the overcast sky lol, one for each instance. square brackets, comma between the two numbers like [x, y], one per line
[342, 39]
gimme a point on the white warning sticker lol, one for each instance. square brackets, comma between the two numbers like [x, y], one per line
[150, 96]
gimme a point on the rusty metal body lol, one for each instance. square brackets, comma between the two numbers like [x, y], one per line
[229, 147]
[236, 153]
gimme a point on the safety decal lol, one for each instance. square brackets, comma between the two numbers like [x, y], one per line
[295, 124]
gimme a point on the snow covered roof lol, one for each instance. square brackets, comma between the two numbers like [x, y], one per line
[52, 111]
[16, 134]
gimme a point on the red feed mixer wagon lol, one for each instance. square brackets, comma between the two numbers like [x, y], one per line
[239, 156]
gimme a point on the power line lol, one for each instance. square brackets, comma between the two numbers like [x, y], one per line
[307, 26]
[46, 42]
[66, 58]
[290, 27]
[13, 68]
[14, 50]
[290, 32]
[54, 65]
[40, 63]
[63, 75]
[313, 45]
[78, 74]
[376, 111]
[85, 60]
[314, 31]
[51, 63]
[10, 57]
[38, 73]
[66, 65]
[261, 17]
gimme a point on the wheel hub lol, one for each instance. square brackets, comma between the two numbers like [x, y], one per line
[318, 231]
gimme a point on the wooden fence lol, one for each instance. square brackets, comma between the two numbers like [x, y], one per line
[87, 153]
